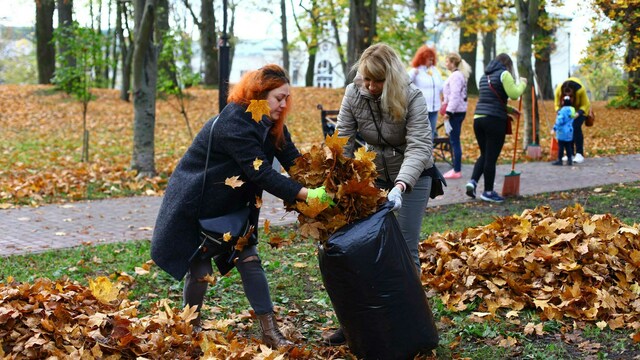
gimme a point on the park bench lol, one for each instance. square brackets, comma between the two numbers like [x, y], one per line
[614, 90]
[441, 145]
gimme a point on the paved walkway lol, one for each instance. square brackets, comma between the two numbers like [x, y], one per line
[24, 230]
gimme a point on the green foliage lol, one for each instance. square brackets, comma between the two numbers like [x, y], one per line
[396, 26]
[75, 71]
[18, 62]
[177, 54]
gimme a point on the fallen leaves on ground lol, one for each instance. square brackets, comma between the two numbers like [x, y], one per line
[63, 319]
[349, 182]
[41, 140]
[566, 265]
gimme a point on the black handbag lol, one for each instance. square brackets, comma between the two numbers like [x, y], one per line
[212, 230]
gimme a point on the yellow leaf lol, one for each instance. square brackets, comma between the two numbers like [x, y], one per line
[265, 227]
[601, 325]
[256, 164]
[258, 108]
[364, 155]
[226, 236]
[233, 181]
[258, 202]
[103, 289]
[588, 227]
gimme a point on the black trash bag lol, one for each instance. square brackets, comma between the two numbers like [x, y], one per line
[376, 291]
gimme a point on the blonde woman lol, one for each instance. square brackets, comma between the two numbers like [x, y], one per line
[455, 96]
[390, 113]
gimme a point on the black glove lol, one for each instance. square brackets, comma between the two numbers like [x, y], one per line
[580, 112]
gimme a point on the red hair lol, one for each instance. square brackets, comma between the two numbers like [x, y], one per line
[256, 85]
[424, 53]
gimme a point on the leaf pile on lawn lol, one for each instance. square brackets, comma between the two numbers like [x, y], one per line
[63, 319]
[349, 181]
[567, 264]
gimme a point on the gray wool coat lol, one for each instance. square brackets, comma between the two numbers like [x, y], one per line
[237, 141]
[412, 135]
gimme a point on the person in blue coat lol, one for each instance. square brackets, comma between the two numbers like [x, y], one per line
[245, 141]
[563, 129]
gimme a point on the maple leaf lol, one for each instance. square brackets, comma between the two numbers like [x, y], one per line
[226, 236]
[233, 181]
[189, 313]
[256, 164]
[363, 155]
[265, 227]
[244, 240]
[103, 290]
[335, 143]
[258, 108]
[258, 202]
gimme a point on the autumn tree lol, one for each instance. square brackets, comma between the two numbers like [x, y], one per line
[45, 48]
[126, 46]
[206, 23]
[528, 13]
[363, 15]
[310, 35]
[626, 17]
[145, 69]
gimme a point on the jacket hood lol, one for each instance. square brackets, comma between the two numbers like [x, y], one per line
[574, 85]
[494, 66]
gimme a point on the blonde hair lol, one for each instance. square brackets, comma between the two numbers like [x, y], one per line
[460, 64]
[380, 62]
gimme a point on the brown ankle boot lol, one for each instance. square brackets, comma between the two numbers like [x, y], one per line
[271, 335]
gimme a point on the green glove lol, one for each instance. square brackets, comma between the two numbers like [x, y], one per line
[320, 194]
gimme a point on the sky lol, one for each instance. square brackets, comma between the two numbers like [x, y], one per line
[251, 24]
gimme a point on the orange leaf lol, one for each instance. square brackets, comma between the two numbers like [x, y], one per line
[258, 108]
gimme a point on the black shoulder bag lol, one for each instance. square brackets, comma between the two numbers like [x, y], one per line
[212, 230]
[437, 180]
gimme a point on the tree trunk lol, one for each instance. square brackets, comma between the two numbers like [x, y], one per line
[488, 47]
[65, 21]
[362, 31]
[527, 13]
[308, 79]
[543, 59]
[632, 55]
[285, 40]
[469, 41]
[418, 7]
[45, 47]
[468, 47]
[209, 43]
[166, 65]
[145, 69]
[126, 52]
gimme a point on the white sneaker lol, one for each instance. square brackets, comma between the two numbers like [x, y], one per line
[578, 159]
[565, 158]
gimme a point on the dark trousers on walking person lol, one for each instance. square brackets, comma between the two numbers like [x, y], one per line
[490, 132]
[578, 138]
[565, 147]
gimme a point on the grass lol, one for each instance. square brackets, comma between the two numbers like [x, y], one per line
[298, 293]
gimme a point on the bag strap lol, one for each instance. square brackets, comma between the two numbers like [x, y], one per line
[380, 131]
[494, 90]
[206, 163]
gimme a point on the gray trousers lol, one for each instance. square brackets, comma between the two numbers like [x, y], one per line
[412, 212]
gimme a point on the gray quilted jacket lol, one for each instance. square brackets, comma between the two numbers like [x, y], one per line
[412, 135]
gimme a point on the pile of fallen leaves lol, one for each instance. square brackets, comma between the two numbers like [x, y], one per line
[566, 264]
[349, 181]
[63, 319]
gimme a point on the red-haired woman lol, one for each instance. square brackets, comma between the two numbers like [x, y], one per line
[426, 76]
[237, 142]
